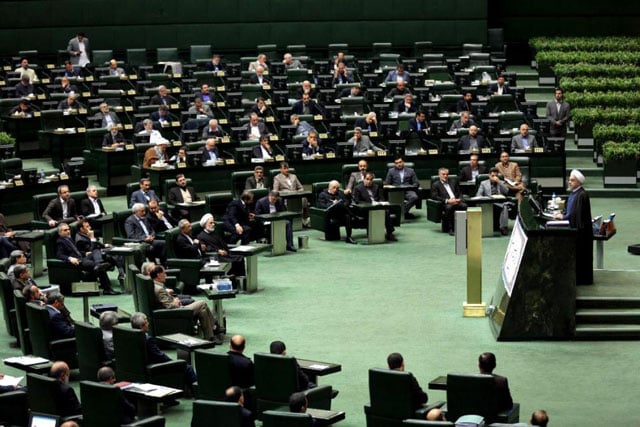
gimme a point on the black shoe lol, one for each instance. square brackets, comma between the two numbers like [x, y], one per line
[350, 240]
[291, 249]
[103, 266]
[334, 393]
[504, 231]
[110, 292]
[390, 238]
[409, 215]
[452, 233]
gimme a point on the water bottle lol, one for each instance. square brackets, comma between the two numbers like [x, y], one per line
[41, 174]
[553, 201]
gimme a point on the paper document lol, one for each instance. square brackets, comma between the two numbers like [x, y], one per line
[8, 380]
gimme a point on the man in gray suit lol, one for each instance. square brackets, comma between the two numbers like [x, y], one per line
[494, 187]
[78, 49]
[361, 143]
[400, 175]
[558, 113]
[523, 141]
[356, 177]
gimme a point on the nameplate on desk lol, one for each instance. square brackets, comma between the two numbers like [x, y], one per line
[267, 101]
[486, 150]
[46, 81]
[89, 78]
[331, 155]
[128, 108]
[181, 165]
[225, 139]
[219, 88]
[18, 182]
[128, 126]
[324, 135]
[50, 66]
[229, 162]
[37, 114]
[381, 153]
[63, 175]
[176, 143]
[41, 96]
[266, 87]
[273, 138]
[177, 75]
[129, 147]
[279, 158]
[174, 106]
[6, 68]
[220, 104]
[82, 130]
[373, 134]
[133, 77]
[86, 94]
[175, 124]
[131, 92]
[538, 150]
[2, 83]
[270, 119]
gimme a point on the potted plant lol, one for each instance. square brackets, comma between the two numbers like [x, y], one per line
[7, 144]
[620, 163]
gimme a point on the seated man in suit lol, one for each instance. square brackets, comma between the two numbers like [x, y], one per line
[465, 103]
[494, 187]
[60, 323]
[162, 116]
[356, 177]
[181, 193]
[92, 206]
[407, 106]
[500, 87]
[24, 88]
[298, 404]
[87, 244]
[287, 181]
[261, 109]
[418, 396]
[237, 219]
[114, 138]
[290, 63]
[234, 394]
[215, 64]
[106, 117]
[70, 104]
[148, 129]
[258, 180]
[263, 150]
[108, 319]
[342, 75]
[472, 141]
[311, 146]
[67, 88]
[200, 109]
[159, 220]
[306, 106]
[523, 141]
[205, 94]
[213, 130]
[241, 367]
[303, 383]
[186, 246]
[401, 89]
[419, 123]
[255, 128]
[210, 153]
[368, 192]
[260, 78]
[465, 121]
[302, 127]
[449, 194]
[334, 201]
[21, 277]
[162, 97]
[154, 354]
[144, 194]
[106, 375]
[368, 122]
[272, 204]
[308, 89]
[114, 70]
[512, 175]
[398, 74]
[486, 365]
[471, 172]
[65, 397]
[62, 209]
[362, 144]
[401, 175]
[138, 227]
[213, 242]
[350, 92]
[89, 261]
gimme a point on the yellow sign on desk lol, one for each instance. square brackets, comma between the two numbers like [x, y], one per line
[433, 152]
[229, 161]
[381, 153]
[225, 139]
[129, 147]
[331, 155]
[538, 150]
[273, 138]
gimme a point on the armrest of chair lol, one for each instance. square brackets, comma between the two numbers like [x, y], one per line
[422, 412]
[120, 241]
[169, 374]
[173, 313]
[155, 421]
[37, 224]
[434, 210]
[166, 367]
[510, 416]
[179, 263]
[319, 397]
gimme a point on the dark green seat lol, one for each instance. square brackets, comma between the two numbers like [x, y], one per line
[476, 394]
[216, 203]
[61, 272]
[286, 419]
[21, 322]
[14, 408]
[167, 54]
[199, 53]
[277, 379]
[211, 413]
[91, 356]
[130, 351]
[42, 395]
[136, 57]
[188, 269]
[213, 374]
[8, 305]
[102, 57]
[504, 102]
[318, 216]
[42, 343]
[162, 321]
[101, 406]
[436, 207]
[390, 397]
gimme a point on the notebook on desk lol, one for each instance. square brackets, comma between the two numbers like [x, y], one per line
[37, 419]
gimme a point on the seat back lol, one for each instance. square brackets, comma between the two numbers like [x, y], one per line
[14, 408]
[102, 57]
[100, 404]
[286, 419]
[130, 351]
[42, 392]
[91, 356]
[390, 394]
[238, 179]
[209, 413]
[167, 54]
[213, 374]
[276, 380]
[39, 333]
[471, 394]
[146, 298]
[199, 52]
[136, 57]
[316, 189]
[21, 321]
[8, 305]
[523, 163]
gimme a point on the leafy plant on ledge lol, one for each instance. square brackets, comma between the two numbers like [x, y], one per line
[616, 151]
[6, 139]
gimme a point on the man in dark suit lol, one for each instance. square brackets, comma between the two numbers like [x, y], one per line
[419, 123]
[234, 394]
[106, 375]
[241, 367]
[213, 130]
[368, 192]
[113, 138]
[60, 323]
[162, 97]
[523, 141]
[90, 261]
[401, 175]
[106, 117]
[398, 74]
[215, 64]
[407, 105]
[259, 78]
[356, 177]
[214, 243]
[368, 122]
[60, 209]
[254, 128]
[559, 114]
[418, 396]
[306, 106]
[263, 150]
[335, 203]
[144, 194]
[65, 397]
[500, 87]
[210, 153]
[465, 103]
[70, 104]
[185, 245]
[237, 219]
[154, 354]
[472, 141]
[181, 193]
[161, 116]
[92, 206]
[271, 204]
[137, 227]
[342, 75]
[486, 364]
[471, 172]
[159, 220]
[258, 180]
[449, 194]
[87, 244]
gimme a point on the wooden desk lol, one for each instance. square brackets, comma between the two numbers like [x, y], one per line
[250, 252]
[129, 253]
[315, 369]
[438, 383]
[395, 195]
[148, 396]
[217, 296]
[376, 216]
[293, 201]
[278, 229]
[184, 344]
[29, 363]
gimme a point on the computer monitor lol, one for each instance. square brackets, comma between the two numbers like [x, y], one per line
[243, 154]
[388, 129]
[6, 151]
[344, 150]
[293, 151]
[30, 176]
[37, 419]
[194, 158]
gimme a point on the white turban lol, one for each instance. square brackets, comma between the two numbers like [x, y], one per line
[577, 175]
[205, 218]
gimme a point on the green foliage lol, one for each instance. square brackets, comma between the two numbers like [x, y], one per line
[593, 84]
[553, 57]
[605, 116]
[582, 69]
[585, 44]
[6, 139]
[620, 150]
[603, 99]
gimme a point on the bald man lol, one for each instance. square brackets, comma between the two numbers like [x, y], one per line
[334, 201]
[66, 400]
[241, 367]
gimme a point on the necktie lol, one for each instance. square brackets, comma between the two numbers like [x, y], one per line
[144, 227]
